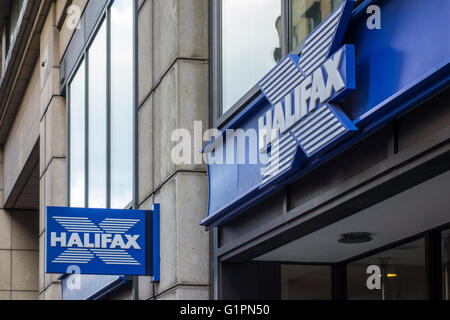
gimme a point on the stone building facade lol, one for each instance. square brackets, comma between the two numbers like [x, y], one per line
[171, 46]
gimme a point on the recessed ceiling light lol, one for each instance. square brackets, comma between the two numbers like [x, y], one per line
[355, 237]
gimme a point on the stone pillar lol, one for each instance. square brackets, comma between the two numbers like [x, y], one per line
[18, 251]
[5, 244]
[173, 94]
[53, 176]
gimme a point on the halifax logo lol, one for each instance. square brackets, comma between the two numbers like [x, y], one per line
[85, 240]
[99, 241]
[303, 90]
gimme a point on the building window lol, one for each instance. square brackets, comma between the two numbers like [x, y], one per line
[402, 277]
[250, 37]
[251, 40]
[306, 15]
[121, 101]
[77, 141]
[97, 120]
[102, 115]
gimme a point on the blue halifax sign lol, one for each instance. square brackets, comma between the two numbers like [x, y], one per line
[348, 81]
[302, 111]
[103, 241]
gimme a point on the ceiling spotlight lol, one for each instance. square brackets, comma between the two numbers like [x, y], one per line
[355, 237]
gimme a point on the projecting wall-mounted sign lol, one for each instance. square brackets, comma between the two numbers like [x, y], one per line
[103, 241]
[348, 81]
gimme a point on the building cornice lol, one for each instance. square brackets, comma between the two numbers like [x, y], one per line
[20, 61]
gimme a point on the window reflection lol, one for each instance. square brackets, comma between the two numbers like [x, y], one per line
[251, 42]
[14, 15]
[97, 120]
[118, 115]
[402, 274]
[303, 282]
[77, 138]
[306, 15]
[121, 103]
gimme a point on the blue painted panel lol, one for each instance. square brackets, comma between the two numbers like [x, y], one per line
[156, 258]
[413, 41]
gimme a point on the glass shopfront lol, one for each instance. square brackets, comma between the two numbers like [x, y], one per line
[402, 274]
[405, 270]
[399, 272]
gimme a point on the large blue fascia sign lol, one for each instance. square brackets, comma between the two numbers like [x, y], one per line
[103, 241]
[348, 81]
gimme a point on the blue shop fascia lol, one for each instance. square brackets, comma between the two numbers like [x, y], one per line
[352, 127]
